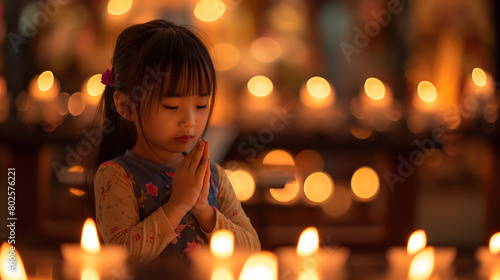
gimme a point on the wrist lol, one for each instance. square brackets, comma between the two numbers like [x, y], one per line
[174, 212]
[205, 217]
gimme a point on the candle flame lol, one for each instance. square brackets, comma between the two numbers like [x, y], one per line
[308, 242]
[90, 240]
[260, 265]
[222, 243]
[12, 267]
[495, 243]
[479, 77]
[374, 88]
[417, 242]
[422, 265]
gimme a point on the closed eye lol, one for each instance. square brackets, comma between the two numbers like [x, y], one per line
[170, 107]
[202, 107]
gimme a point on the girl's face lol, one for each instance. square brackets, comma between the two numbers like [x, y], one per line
[176, 124]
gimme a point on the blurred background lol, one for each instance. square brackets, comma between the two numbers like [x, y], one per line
[367, 119]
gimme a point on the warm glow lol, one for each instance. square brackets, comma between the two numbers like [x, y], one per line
[339, 203]
[308, 242]
[278, 157]
[76, 192]
[265, 49]
[361, 133]
[479, 77]
[260, 86]
[221, 273]
[365, 183]
[209, 10]
[222, 243]
[261, 266]
[309, 161]
[318, 187]
[422, 265]
[427, 91]
[416, 242]
[90, 240]
[94, 85]
[318, 87]
[89, 273]
[44, 87]
[76, 103]
[227, 56]
[374, 88]
[495, 243]
[308, 274]
[243, 184]
[119, 7]
[7, 262]
[286, 194]
[45, 80]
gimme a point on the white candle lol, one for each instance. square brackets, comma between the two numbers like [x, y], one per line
[311, 260]
[489, 257]
[89, 256]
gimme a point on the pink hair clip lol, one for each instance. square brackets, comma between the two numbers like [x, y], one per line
[107, 78]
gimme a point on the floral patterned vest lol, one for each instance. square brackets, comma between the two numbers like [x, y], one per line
[152, 184]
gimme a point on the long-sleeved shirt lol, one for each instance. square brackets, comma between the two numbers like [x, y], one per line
[129, 193]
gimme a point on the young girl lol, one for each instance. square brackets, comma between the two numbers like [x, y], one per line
[150, 195]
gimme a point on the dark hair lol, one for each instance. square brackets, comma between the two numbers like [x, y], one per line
[151, 60]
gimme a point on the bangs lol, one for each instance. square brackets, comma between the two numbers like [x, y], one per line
[177, 64]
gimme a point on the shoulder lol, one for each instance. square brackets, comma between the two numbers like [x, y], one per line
[111, 170]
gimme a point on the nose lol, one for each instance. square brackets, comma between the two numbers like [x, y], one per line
[187, 119]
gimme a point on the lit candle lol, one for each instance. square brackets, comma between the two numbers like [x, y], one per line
[422, 265]
[310, 260]
[221, 262]
[12, 267]
[89, 257]
[261, 266]
[489, 258]
[400, 259]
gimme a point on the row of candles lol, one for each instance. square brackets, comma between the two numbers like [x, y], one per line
[91, 261]
[375, 108]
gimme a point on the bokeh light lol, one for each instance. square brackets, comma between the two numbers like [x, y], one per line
[286, 194]
[76, 103]
[374, 88]
[209, 10]
[339, 203]
[260, 86]
[45, 80]
[265, 49]
[318, 187]
[365, 183]
[119, 7]
[309, 161]
[479, 77]
[243, 184]
[227, 56]
[427, 91]
[278, 157]
[318, 87]
[416, 242]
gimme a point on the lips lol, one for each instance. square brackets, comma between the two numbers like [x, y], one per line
[184, 138]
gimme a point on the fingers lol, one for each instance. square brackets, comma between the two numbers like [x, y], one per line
[186, 162]
[196, 158]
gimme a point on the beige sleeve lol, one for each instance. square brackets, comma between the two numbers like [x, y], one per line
[231, 216]
[118, 219]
